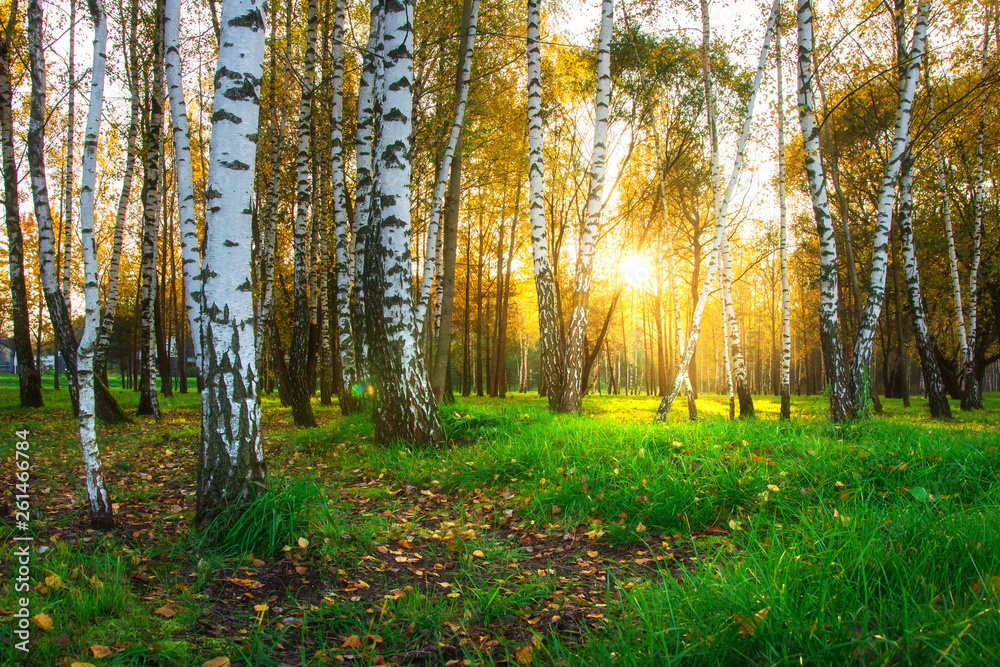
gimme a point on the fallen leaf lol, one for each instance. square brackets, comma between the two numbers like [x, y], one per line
[555, 510]
[523, 655]
[352, 642]
[303, 542]
[640, 528]
[221, 661]
[54, 581]
[80, 664]
[44, 621]
[773, 487]
[748, 624]
[166, 611]
[478, 554]
[99, 651]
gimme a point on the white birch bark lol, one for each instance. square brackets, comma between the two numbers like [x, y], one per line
[190, 259]
[58, 312]
[785, 387]
[101, 513]
[841, 406]
[364, 145]
[348, 368]
[972, 396]
[67, 256]
[149, 403]
[722, 206]
[864, 343]
[931, 373]
[303, 278]
[444, 171]
[572, 394]
[548, 319]
[232, 456]
[404, 403]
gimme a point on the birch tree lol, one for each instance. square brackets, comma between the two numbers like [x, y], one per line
[190, 259]
[29, 379]
[101, 512]
[404, 403]
[841, 401]
[444, 171]
[231, 466]
[149, 403]
[364, 155]
[785, 388]
[972, 395]
[549, 342]
[347, 398]
[865, 340]
[936, 397]
[572, 392]
[299, 391]
[723, 207]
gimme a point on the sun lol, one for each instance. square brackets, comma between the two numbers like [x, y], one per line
[635, 270]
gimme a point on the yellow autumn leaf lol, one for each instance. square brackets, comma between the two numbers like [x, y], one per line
[54, 581]
[221, 661]
[748, 624]
[523, 655]
[640, 528]
[44, 621]
[166, 611]
[81, 664]
[773, 487]
[352, 642]
[478, 554]
[303, 542]
[99, 651]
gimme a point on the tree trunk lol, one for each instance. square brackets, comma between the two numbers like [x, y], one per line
[190, 257]
[864, 342]
[300, 391]
[29, 379]
[841, 400]
[152, 187]
[404, 403]
[937, 399]
[231, 467]
[545, 286]
[572, 393]
[786, 304]
[101, 512]
[437, 202]
[350, 390]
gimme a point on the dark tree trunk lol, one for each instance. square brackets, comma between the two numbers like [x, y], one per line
[30, 380]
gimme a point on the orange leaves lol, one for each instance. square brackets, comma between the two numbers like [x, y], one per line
[749, 624]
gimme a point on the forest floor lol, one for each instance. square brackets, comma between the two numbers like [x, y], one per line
[531, 539]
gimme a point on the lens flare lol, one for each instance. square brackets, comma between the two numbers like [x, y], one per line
[635, 270]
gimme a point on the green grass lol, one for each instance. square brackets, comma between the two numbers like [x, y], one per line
[872, 543]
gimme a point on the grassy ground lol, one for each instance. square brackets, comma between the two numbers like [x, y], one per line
[531, 539]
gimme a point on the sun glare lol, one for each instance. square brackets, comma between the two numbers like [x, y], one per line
[635, 270]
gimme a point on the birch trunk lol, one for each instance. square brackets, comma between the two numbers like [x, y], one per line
[190, 259]
[349, 394]
[841, 401]
[29, 379]
[364, 153]
[300, 391]
[444, 170]
[956, 284]
[972, 396]
[572, 391]
[149, 403]
[786, 303]
[67, 226]
[864, 343]
[231, 466]
[722, 208]
[101, 513]
[545, 287]
[59, 314]
[404, 403]
[937, 398]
